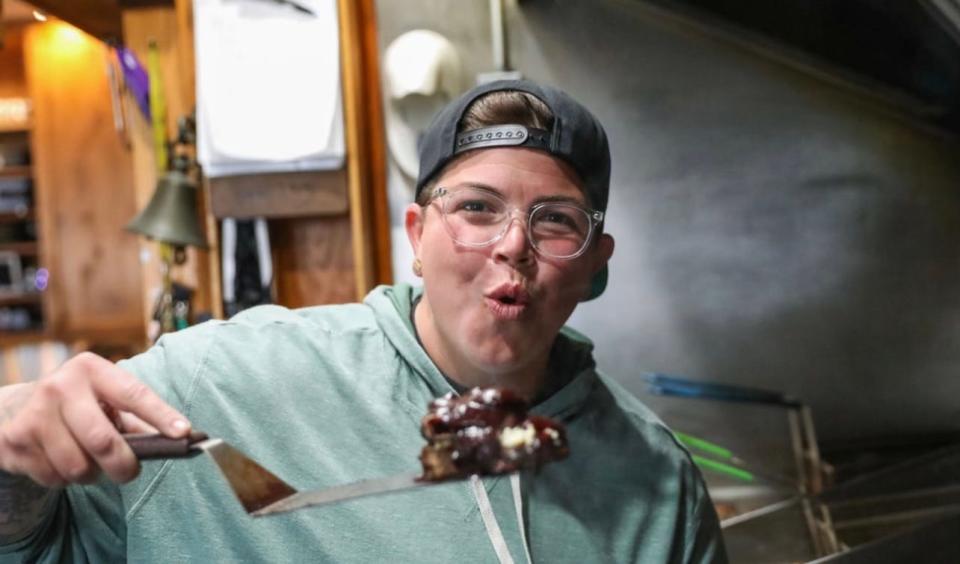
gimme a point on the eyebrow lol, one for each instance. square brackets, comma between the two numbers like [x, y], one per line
[540, 200]
[561, 199]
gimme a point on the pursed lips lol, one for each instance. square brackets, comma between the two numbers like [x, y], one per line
[508, 301]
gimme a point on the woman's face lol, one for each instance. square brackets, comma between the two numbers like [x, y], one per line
[498, 308]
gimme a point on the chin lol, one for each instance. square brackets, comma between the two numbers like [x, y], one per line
[503, 356]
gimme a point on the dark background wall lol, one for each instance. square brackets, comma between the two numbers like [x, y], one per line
[772, 230]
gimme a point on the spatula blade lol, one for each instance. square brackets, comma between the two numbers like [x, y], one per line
[255, 486]
[352, 490]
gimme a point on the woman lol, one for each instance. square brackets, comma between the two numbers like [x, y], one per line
[507, 235]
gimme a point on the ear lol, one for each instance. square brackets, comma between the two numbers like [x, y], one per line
[602, 252]
[413, 222]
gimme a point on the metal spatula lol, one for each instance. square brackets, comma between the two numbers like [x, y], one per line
[259, 490]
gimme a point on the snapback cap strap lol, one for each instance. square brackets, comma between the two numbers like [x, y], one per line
[503, 135]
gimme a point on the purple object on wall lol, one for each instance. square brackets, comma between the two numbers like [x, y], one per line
[136, 79]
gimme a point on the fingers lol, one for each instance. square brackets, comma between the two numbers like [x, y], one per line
[66, 427]
[66, 457]
[124, 391]
[93, 432]
[41, 471]
[23, 455]
[130, 423]
[20, 448]
[113, 414]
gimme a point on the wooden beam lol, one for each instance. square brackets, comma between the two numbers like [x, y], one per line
[351, 71]
[99, 18]
[209, 270]
[279, 195]
[366, 163]
[185, 50]
[124, 4]
[376, 143]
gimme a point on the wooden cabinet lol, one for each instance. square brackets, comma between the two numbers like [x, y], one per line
[84, 190]
[22, 277]
[89, 181]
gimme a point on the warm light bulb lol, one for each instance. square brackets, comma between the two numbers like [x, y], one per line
[69, 34]
[65, 44]
[39, 16]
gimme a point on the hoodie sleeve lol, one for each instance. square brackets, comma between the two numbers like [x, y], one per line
[704, 539]
[87, 523]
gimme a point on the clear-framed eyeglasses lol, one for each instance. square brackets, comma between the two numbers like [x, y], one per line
[477, 217]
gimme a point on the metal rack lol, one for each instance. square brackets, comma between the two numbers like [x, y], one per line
[872, 518]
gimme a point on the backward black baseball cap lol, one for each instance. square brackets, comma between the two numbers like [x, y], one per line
[575, 136]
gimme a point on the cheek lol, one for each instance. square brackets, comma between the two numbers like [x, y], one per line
[569, 281]
[444, 262]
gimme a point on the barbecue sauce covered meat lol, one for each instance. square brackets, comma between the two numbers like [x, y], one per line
[486, 431]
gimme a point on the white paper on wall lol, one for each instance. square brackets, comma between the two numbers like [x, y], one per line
[268, 87]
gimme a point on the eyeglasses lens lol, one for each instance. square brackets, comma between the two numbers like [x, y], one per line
[477, 218]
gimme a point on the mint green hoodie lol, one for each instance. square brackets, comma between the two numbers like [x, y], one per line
[327, 395]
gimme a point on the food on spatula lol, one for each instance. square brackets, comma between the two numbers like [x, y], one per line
[486, 431]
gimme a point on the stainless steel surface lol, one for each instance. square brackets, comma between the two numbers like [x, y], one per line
[933, 542]
[340, 493]
[759, 512]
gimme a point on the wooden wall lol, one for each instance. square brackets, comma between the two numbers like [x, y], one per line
[161, 25]
[12, 81]
[314, 261]
[366, 153]
[85, 189]
[92, 181]
[339, 258]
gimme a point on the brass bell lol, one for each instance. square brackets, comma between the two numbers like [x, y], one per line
[171, 215]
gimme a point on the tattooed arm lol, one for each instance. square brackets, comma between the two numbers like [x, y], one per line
[22, 501]
[59, 431]
[23, 505]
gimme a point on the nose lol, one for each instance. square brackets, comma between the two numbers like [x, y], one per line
[514, 247]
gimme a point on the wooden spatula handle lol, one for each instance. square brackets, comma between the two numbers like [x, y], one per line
[152, 446]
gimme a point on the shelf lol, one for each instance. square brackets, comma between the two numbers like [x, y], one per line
[25, 337]
[11, 217]
[28, 248]
[30, 298]
[14, 127]
[16, 171]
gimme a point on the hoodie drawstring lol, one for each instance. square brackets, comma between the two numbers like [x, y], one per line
[490, 519]
[518, 505]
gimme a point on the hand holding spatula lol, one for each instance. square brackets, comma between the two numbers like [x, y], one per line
[485, 431]
[259, 490]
